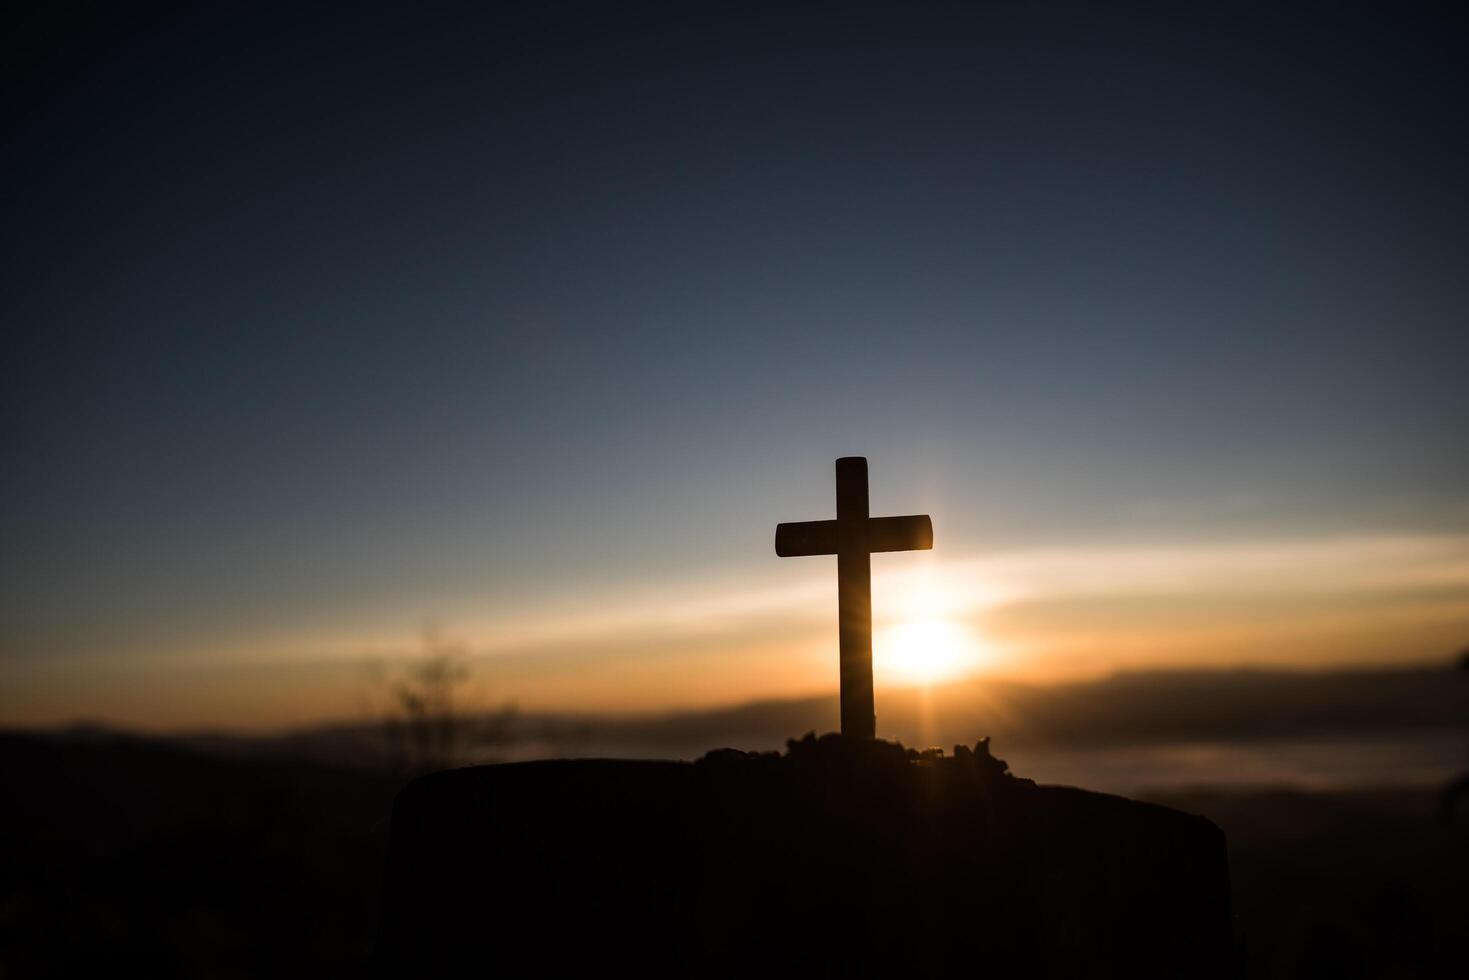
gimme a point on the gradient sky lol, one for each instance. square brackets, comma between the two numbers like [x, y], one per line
[532, 321]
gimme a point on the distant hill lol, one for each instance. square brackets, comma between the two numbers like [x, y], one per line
[1140, 708]
[1145, 708]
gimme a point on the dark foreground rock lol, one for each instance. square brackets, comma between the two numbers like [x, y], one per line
[840, 858]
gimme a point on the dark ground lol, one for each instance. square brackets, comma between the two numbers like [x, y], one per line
[118, 854]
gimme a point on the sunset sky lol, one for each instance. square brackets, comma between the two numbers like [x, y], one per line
[532, 324]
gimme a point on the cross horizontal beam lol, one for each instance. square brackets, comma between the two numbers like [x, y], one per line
[872, 535]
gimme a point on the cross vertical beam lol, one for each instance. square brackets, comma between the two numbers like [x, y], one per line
[853, 537]
[854, 599]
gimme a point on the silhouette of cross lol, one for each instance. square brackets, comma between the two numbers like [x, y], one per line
[853, 537]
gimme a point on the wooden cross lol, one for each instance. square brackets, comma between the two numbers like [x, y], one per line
[853, 537]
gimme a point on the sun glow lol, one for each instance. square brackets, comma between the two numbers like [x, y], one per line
[926, 651]
[929, 636]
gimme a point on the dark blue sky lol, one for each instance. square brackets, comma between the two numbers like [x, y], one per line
[312, 312]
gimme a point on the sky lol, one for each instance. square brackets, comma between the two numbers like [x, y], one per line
[521, 326]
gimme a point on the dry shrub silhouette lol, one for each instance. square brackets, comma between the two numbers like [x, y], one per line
[431, 723]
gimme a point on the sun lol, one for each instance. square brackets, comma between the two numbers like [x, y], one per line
[927, 651]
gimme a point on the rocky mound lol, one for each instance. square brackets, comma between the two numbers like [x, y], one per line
[841, 857]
